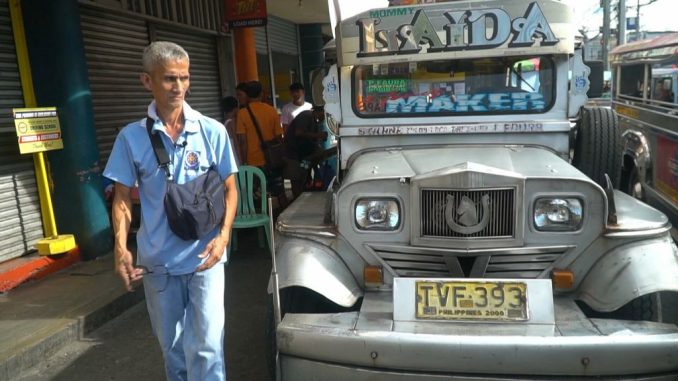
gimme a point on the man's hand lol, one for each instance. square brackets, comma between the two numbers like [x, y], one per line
[214, 251]
[125, 269]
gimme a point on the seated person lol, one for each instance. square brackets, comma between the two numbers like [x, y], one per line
[302, 140]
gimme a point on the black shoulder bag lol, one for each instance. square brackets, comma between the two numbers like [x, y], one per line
[195, 208]
[273, 150]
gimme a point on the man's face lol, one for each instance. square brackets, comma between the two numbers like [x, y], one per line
[242, 97]
[298, 96]
[168, 83]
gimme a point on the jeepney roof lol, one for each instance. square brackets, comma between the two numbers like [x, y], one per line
[460, 29]
[650, 50]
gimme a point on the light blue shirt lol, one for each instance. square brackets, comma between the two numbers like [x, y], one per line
[203, 142]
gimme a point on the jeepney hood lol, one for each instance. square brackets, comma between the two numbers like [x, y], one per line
[513, 161]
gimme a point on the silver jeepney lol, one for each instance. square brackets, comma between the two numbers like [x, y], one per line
[460, 242]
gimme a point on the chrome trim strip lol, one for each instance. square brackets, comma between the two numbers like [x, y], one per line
[525, 263]
[637, 233]
[500, 251]
[318, 231]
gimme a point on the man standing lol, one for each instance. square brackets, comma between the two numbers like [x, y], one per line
[298, 104]
[183, 279]
[258, 113]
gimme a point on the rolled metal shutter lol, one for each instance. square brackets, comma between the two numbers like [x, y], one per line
[113, 47]
[283, 36]
[205, 90]
[20, 219]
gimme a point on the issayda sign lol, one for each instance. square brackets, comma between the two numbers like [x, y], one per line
[466, 29]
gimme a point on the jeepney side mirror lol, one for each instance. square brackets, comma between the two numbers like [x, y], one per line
[596, 79]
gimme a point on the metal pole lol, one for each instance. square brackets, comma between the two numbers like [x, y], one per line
[621, 27]
[48, 220]
[274, 277]
[270, 67]
[606, 32]
[274, 265]
[301, 64]
[638, 21]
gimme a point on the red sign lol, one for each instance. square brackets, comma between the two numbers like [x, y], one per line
[245, 13]
[667, 167]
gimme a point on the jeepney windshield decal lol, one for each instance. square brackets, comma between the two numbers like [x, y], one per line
[475, 28]
[502, 85]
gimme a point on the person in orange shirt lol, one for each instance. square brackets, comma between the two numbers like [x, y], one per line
[248, 140]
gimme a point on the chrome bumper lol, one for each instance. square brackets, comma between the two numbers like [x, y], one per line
[369, 343]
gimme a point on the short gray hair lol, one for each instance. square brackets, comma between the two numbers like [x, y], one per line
[159, 52]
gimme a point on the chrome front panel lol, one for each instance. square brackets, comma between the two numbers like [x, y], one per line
[522, 263]
[468, 206]
[440, 207]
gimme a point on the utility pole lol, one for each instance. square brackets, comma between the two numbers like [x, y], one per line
[638, 21]
[621, 26]
[606, 32]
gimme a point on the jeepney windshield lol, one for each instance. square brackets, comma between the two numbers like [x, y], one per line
[502, 85]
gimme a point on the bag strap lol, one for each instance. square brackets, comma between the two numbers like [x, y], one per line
[158, 147]
[256, 125]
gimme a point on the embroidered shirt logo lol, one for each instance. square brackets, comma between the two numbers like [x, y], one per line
[192, 160]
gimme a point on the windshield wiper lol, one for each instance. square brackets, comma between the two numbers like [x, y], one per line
[520, 77]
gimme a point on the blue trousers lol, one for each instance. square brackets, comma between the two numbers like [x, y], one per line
[187, 316]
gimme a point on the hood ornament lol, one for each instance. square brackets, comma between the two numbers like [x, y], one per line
[463, 218]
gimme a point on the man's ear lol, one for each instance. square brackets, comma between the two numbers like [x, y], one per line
[145, 79]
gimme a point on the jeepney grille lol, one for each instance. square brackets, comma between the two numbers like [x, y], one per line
[501, 222]
[406, 261]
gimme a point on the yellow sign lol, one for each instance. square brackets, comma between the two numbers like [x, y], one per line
[37, 129]
[632, 113]
[473, 300]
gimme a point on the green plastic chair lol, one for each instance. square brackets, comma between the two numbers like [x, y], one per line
[248, 216]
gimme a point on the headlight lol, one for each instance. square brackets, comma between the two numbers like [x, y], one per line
[377, 214]
[558, 214]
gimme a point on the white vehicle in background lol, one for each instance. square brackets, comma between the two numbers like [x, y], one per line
[459, 242]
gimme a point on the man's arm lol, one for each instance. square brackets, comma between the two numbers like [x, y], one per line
[122, 215]
[216, 247]
[285, 119]
[277, 127]
[241, 135]
[242, 147]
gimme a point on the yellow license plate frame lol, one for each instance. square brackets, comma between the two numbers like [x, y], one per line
[471, 300]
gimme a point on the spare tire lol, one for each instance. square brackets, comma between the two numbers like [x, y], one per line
[597, 148]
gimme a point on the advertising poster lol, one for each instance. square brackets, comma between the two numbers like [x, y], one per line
[37, 129]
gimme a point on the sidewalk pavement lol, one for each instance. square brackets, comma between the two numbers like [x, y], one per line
[38, 318]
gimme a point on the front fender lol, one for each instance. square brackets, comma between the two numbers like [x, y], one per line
[317, 267]
[631, 271]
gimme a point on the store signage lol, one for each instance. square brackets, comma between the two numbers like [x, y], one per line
[37, 129]
[245, 13]
[465, 29]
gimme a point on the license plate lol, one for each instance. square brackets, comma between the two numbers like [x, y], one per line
[477, 301]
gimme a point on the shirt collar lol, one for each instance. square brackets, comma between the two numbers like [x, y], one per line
[191, 118]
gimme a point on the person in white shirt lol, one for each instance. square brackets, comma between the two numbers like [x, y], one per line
[294, 108]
